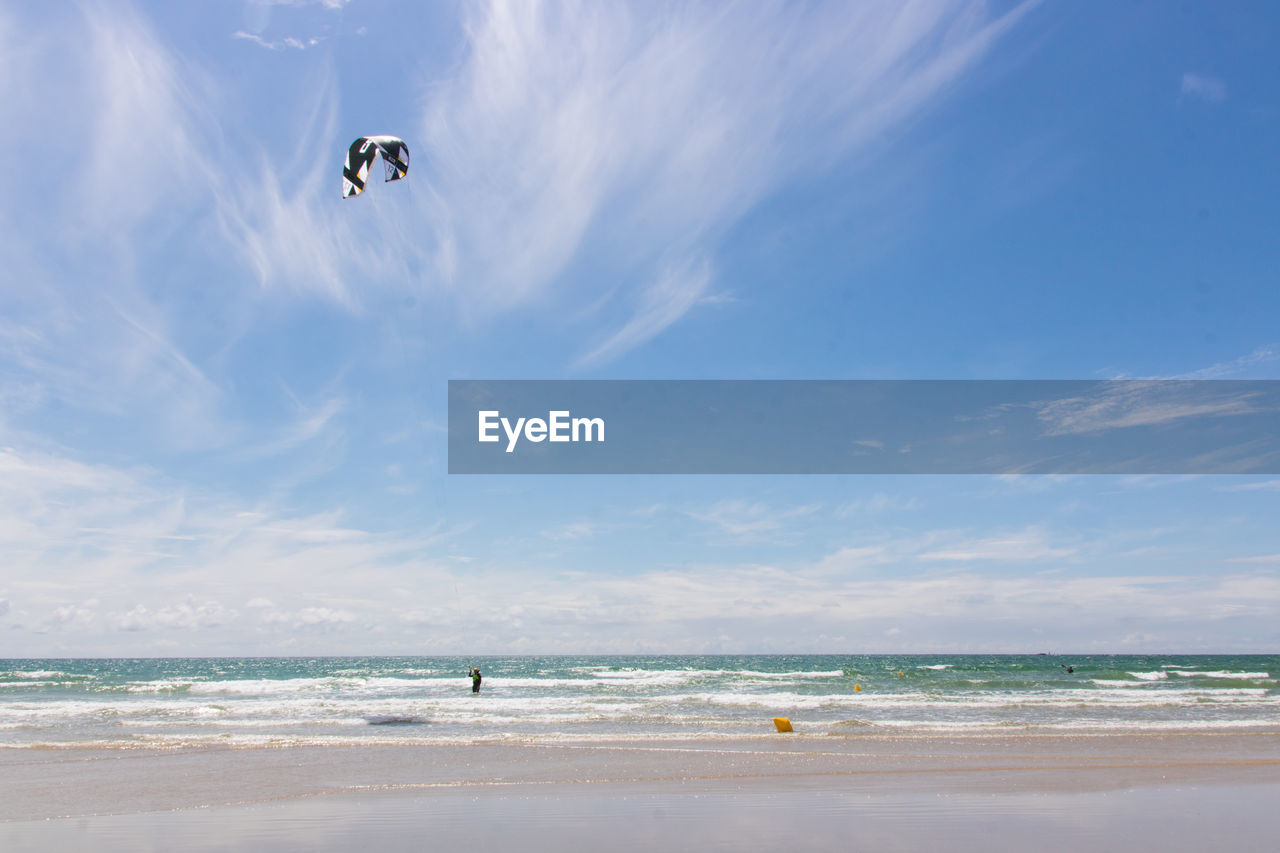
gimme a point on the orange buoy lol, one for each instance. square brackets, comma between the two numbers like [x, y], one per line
[783, 724]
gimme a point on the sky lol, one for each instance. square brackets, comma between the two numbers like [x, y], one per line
[223, 387]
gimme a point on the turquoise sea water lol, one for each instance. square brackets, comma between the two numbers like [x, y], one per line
[263, 701]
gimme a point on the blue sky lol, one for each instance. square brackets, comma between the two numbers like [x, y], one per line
[222, 386]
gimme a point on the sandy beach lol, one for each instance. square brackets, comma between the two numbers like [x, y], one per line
[1174, 791]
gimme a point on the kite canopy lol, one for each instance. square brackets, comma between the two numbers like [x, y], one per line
[360, 157]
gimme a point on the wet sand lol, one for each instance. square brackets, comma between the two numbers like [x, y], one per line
[1167, 791]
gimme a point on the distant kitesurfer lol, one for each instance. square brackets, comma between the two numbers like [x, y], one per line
[1069, 669]
[475, 679]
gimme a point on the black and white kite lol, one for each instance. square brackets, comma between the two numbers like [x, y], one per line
[360, 157]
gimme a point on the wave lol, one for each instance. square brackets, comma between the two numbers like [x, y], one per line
[1115, 682]
[674, 675]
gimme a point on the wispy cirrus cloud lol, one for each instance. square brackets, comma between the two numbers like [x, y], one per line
[327, 4]
[623, 140]
[750, 519]
[878, 503]
[1134, 403]
[1029, 544]
[662, 303]
[575, 130]
[96, 317]
[572, 532]
[310, 423]
[1253, 363]
[285, 43]
[122, 120]
[1261, 558]
[1257, 486]
[259, 15]
[1203, 87]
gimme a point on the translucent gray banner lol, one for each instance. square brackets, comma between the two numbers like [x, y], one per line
[864, 427]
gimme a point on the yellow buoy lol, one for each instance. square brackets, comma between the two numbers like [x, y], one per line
[783, 724]
[857, 687]
[899, 675]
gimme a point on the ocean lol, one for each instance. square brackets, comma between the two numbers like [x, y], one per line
[386, 700]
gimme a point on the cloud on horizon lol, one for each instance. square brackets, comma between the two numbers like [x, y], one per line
[175, 572]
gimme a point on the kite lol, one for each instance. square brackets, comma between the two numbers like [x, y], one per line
[395, 156]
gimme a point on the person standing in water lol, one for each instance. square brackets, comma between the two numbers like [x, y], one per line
[475, 679]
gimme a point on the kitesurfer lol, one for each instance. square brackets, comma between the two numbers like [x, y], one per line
[475, 679]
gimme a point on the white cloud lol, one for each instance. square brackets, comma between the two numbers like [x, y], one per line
[1204, 87]
[1258, 486]
[158, 555]
[571, 532]
[851, 560]
[308, 617]
[630, 136]
[675, 610]
[748, 519]
[328, 4]
[89, 322]
[120, 116]
[1027, 544]
[310, 423]
[876, 504]
[187, 615]
[644, 132]
[74, 616]
[52, 505]
[100, 533]
[259, 14]
[138, 92]
[1252, 365]
[1239, 368]
[664, 302]
[1140, 403]
[285, 43]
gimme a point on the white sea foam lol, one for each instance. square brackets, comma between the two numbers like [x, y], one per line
[834, 673]
[1150, 676]
[1115, 682]
[676, 676]
[39, 673]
